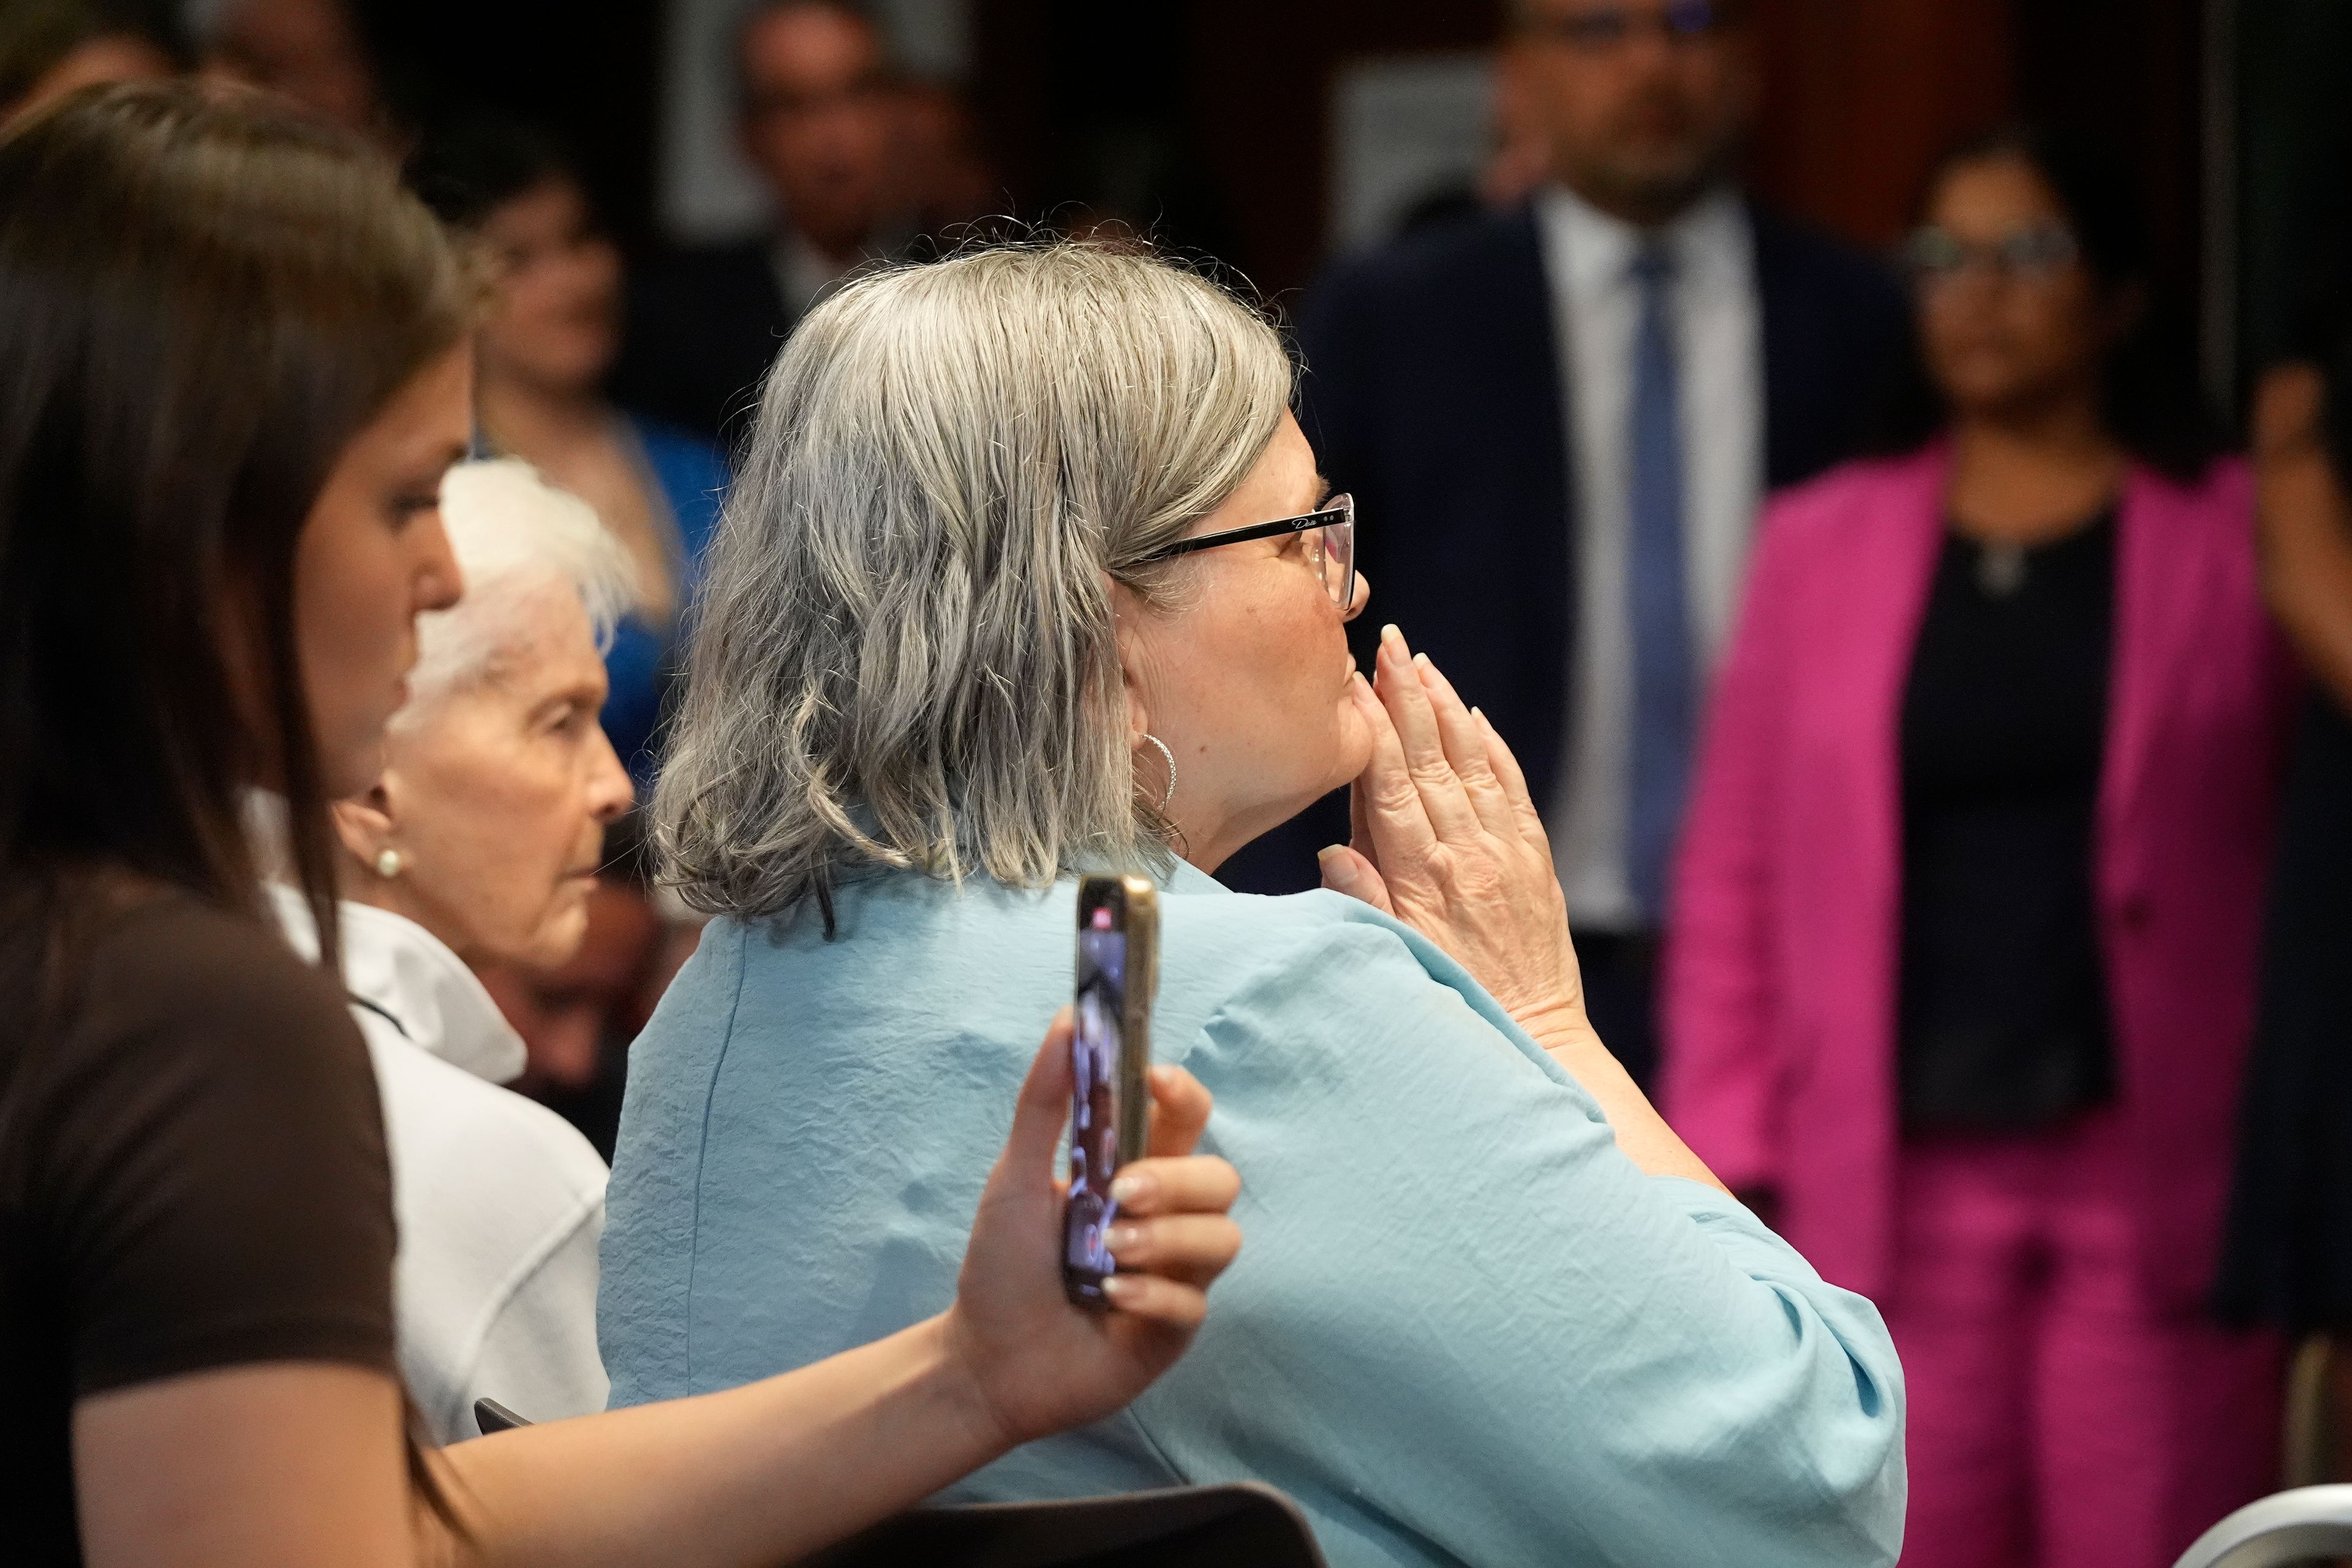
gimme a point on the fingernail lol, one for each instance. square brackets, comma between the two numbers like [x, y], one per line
[1338, 869]
[1119, 1288]
[1119, 1237]
[1128, 1189]
[1391, 637]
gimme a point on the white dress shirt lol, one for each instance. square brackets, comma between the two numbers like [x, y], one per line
[500, 1201]
[1717, 324]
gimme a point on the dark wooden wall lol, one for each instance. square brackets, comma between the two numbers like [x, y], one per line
[1228, 99]
[1224, 100]
[1861, 96]
[590, 72]
[2294, 157]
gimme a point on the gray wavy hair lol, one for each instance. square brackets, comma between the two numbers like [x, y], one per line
[903, 655]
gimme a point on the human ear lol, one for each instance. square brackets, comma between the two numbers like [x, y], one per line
[1127, 615]
[366, 823]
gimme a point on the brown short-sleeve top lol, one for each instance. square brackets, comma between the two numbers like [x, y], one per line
[192, 1175]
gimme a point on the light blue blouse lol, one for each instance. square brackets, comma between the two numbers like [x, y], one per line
[1463, 1328]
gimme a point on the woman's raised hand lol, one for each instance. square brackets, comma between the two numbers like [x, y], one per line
[1447, 840]
[2300, 515]
[1038, 1363]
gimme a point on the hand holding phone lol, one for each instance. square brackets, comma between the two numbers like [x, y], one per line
[1111, 1052]
[1040, 1361]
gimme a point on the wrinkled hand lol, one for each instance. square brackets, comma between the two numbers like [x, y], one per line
[1040, 1363]
[1447, 840]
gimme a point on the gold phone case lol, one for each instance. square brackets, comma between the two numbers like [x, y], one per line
[1135, 1033]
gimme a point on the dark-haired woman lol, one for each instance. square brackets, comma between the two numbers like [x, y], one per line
[235, 363]
[1967, 918]
[544, 347]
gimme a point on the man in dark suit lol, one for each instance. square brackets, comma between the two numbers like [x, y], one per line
[816, 121]
[1557, 421]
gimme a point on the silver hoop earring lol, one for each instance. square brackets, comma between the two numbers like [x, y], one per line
[1170, 792]
[388, 864]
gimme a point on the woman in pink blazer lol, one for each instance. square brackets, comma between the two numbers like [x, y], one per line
[1962, 964]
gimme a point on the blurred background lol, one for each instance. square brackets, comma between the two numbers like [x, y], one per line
[1273, 134]
[1270, 134]
[670, 185]
[720, 165]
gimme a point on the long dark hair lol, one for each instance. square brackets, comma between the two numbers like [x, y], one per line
[2148, 387]
[202, 301]
[468, 169]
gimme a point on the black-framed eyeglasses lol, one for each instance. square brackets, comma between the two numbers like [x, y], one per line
[1331, 532]
[2031, 255]
[1600, 27]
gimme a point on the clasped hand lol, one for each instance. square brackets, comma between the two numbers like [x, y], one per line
[1447, 840]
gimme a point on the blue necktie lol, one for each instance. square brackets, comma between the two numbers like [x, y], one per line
[1664, 690]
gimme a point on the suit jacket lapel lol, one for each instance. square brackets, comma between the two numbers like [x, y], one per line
[1526, 431]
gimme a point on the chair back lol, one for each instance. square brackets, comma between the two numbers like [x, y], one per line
[493, 1417]
[2285, 1526]
[1179, 1527]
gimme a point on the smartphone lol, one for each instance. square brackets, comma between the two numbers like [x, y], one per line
[1118, 974]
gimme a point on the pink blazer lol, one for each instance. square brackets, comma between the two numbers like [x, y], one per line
[1780, 972]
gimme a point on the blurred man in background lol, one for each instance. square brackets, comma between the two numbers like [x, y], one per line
[311, 51]
[50, 48]
[945, 182]
[1558, 420]
[818, 119]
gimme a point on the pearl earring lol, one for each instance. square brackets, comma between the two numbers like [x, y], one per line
[388, 864]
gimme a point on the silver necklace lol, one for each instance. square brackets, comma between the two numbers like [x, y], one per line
[2000, 568]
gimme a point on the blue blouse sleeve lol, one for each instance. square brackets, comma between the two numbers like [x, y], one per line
[1462, 1314]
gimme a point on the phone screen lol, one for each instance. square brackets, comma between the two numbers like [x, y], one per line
[1096, 1048]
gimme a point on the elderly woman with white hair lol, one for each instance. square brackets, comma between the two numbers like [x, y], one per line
[1030, 570]
[479, 843]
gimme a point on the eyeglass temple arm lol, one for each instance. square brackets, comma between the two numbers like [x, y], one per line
[1254, 530]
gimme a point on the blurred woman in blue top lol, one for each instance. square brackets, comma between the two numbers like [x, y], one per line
[544, 348]
[1029, 569]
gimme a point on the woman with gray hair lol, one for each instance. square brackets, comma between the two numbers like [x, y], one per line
[479, 843]
[1029, 571]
